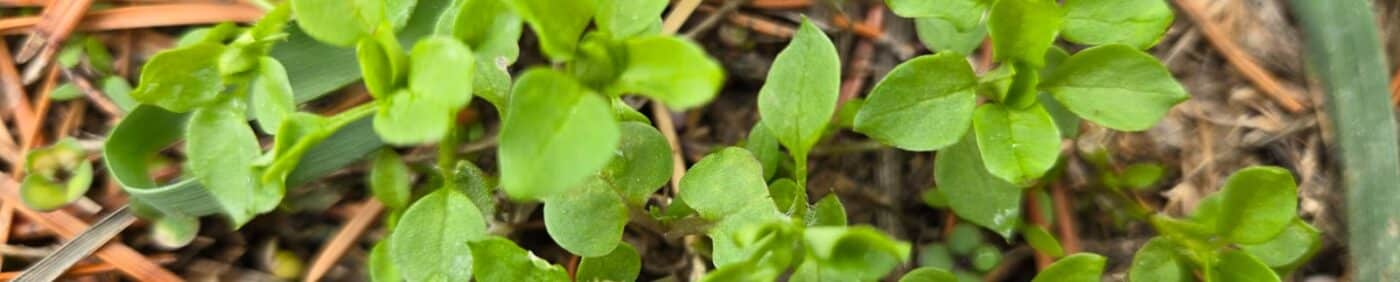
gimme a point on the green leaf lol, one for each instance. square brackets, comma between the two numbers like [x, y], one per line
[671, 69]
[923, 104]
[502, 260]
[488, 26]
[1158, 261]
[629, 18]
[928, 274]
[57, 175]
[800, 94]
[409, 117]
[493, 84]
[181, 79]
[381, 266]
[1141, 176]
[1289, 249]
[975, 194]
[555, 128]
[985, 257]
[389, 179]
[727, 187]
[941, 34]
[828, 212]
[478, 186]
[558, 24]
[587, 220]
[441, 68]
[723, 183]
[936, 256]
[622, 264]
[272, 95]
[430, 242]
[221, 149]
[963, 239]
[1081, 267]
[1115, 86]
[765, 147]
[1238, 266]
[1019, 146]
[342, 22]
[640, 165]
[860, 252]
[66, 91]
[174, 231]
[790, 198]
[1022, 30]
[1066, 121]
[1208, 210]
[382, 61]
[119, 91]
[1257, 203]
[1042, 241]
[1137, 23]
[1022, 92]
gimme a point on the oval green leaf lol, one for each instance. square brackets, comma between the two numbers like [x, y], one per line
[504, 261]
[640, 165]
[272, 95]
[430, 243]
[221, 149]
[671, 69]
[181, 79]
[1116, 86]
[588, 220]
[556, 135]
[923, 104]
[1018, 146]
[1257, 204]
[799, 96]
[928, 274]
[389, 179]
[622, 264]
[1081, 267]
[1157, 261]
[558, 24]
[973, 193]
[1137, 23]
[1238, 266]
[1289, 249]
[1022, 30]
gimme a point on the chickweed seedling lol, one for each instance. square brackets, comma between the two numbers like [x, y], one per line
[568, 141]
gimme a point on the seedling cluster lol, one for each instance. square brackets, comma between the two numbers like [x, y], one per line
[570, 144]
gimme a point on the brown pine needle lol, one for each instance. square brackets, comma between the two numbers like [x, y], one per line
[1243, 63]
[1395, 89]
[335, 249]
[125, 259]
[55, 24]
[144, 16]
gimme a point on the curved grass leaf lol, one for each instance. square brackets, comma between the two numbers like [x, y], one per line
[923, 104]
[1116, 86]
[556, 135]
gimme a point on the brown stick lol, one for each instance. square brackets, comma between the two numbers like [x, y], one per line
[55, 24]
[860, 58]
[1395, 89]
[1033, 212]
[71, 119]
[1064, 219]
[1245, 64]
[94, 268]
[18, 107]
[149, 16]
[7, 214]
[125, 259]
[335, 249]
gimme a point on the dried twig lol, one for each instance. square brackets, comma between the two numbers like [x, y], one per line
[18, 107]
[55, 24]
[94, 268]
[1245, 64]
[1064, 218]
[144, 16]
[335, 249]
[860, 58]
[1036, 217]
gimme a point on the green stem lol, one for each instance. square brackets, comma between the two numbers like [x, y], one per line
[447, 153]
[801, 169]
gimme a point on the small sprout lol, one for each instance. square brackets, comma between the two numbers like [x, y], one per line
[57, 175]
